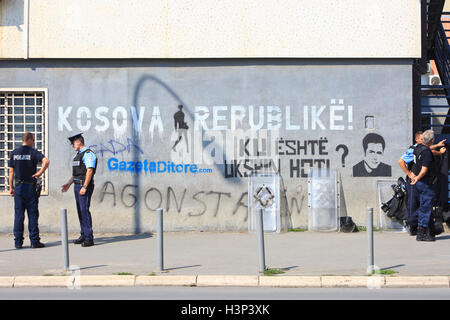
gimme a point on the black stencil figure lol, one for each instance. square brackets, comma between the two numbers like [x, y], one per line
[371, 166]
[181, 127]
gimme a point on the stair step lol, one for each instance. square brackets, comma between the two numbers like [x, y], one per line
[435, 106]
[435, 97]
[435, 86]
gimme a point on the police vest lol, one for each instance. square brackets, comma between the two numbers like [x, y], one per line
[79, 169]
[430, 176]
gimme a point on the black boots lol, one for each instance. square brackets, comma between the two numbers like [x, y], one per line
[80, 240]
[412, 229]
[37, 245]
[425, 234]
[87, 243]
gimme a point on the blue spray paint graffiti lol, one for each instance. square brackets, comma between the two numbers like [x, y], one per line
[115, 147]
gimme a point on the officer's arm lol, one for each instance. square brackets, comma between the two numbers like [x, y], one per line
[66, 186]
[438, 145]
[402, 165]
[45, 164]
[11, 181]
[421, 174]
[438, 152]
[89, 174]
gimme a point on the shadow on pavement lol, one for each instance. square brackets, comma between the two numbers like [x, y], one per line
[442, 238]
[105, 240]
[288, 268]
[394, 267]
[28, 247]
[92, 267]
[183, 267]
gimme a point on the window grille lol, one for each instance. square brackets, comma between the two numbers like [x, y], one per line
[22, 110]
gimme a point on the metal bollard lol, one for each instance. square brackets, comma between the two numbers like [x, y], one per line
[159, 239]
[370, 256]
[64, 241]
[260, 235]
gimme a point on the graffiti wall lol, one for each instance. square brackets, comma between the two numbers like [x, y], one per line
[185, 136]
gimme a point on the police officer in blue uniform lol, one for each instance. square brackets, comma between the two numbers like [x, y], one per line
[23, 177]
[84, 165]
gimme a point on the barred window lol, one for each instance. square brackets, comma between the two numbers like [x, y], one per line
[21, 110]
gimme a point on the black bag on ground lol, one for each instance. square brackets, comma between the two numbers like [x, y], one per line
[437, 220]
[397, 207]
[446, 217]
[347, 225]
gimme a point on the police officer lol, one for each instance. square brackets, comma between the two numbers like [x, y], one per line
[84, 165]
[22, 180]
[406, 163]
[423, 181]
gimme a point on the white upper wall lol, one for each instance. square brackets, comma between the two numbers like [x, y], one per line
[211, 29]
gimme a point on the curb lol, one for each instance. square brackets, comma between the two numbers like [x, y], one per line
[373, 282]
[227, 281]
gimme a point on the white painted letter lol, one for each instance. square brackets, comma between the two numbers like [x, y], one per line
[119, 130]
[137, 119]
[80, 111]
[315, 118]
[62, 118]
[156, 122]
[98, 114]
[237, 114]
[217, 118]
[251, 120]
[200, 118]
[334, 117]
[288, 120]
[271, 117]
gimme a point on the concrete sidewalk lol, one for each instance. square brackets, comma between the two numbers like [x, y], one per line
[323, 259]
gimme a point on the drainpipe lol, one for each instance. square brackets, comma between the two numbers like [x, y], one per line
[26, 22]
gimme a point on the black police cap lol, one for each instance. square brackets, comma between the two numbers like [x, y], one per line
[75, 137]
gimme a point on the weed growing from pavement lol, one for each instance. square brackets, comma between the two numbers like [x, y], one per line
[383, 272]
[365, 229]
[271, 272]
[297, 230]
[125, 274]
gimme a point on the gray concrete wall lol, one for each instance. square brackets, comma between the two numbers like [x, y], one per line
[126, 109]
[210, 29]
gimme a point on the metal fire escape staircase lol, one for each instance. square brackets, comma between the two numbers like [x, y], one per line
[435, 89]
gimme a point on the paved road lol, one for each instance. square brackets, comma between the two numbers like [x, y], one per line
[228, 293]
[232, 253]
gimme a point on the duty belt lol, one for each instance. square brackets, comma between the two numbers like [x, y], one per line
[82, 182]
[17, 182]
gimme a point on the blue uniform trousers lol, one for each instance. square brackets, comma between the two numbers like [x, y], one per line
[84, 215]
[413, 205]
[25, 198]
[426, 199]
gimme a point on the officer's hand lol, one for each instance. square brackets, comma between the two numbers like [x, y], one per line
[411, 175]
[441, 143]
[442, 150]
[82, 191]
[65, 187]
[11, 192]
[36, 176]
[413, 181]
